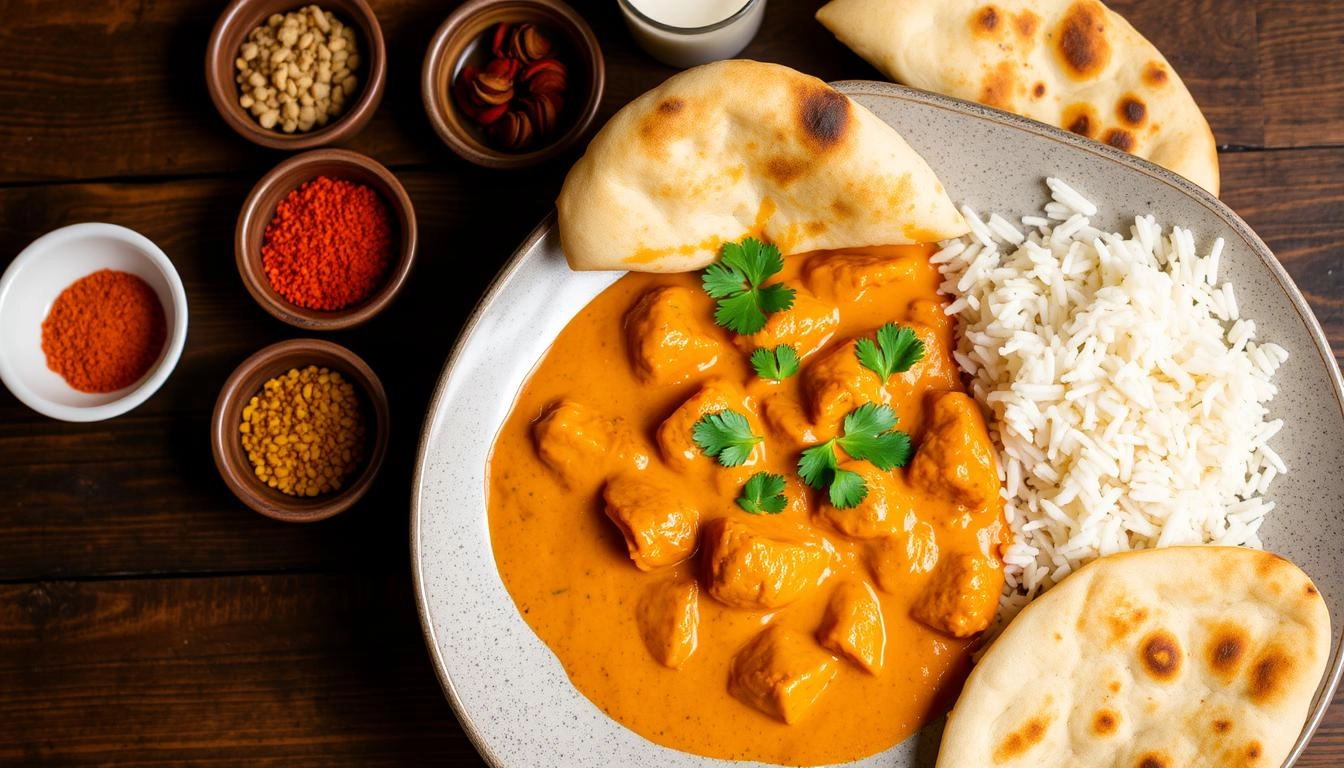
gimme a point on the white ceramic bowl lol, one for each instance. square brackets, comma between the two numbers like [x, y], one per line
[30, 286]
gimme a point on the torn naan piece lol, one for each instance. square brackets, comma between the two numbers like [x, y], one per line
[1075, 64]
[1185, 656]
[739, 148]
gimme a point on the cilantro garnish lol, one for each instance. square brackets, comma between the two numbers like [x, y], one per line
[737, 281]
[725, 435]
[763, 494]
[896, 350]
[868, 436]
[778, 364]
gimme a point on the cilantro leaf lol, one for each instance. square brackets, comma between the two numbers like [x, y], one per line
[778, 364]
[869, 435]
[725, 435]
[737, 282]
[847, 489]
[897, 350]
[763, 494]
[817, 465]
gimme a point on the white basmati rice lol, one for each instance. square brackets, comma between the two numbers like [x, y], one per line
[1126, 390]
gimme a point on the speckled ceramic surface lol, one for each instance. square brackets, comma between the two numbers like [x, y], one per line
[510, 692]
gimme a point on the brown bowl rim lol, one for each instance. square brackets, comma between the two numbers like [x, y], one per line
[228, 411]
[344, 127]
[248, 258]
[437, 102]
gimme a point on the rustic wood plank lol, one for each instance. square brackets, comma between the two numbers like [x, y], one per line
[1301, 74]
[305, 670]
[130, 78]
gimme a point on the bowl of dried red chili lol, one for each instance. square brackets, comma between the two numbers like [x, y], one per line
[93, 318]
[326, 240]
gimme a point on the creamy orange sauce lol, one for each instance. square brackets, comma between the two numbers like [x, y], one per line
[590, 419]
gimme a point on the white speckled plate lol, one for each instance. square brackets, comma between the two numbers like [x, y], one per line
[510, 692]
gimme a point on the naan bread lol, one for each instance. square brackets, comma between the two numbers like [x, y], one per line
[1075, 64]
[1188, 656]
[741, 148]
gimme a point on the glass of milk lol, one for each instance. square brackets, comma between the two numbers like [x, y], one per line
[685, 33]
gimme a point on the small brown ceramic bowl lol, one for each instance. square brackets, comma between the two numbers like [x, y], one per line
[226, 40]
[463, 39]
[247, 380]
[259, 210]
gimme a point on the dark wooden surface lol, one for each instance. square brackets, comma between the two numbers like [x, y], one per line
[146, 617]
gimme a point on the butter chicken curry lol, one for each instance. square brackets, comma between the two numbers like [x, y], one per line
[819, 634]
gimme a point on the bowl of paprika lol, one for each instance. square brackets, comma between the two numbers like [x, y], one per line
[326, 240]
[300, 429]
[93, 318]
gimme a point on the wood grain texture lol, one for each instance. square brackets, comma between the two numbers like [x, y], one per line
[1301, 44]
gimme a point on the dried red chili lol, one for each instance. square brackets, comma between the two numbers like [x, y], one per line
[104, 331]
[329, 245]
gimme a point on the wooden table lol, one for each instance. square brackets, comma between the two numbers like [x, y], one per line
[146, 616]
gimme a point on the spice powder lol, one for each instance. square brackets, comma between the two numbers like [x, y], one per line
[104, 331]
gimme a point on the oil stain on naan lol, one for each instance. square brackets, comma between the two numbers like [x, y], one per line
[1026, 736]
[1081, 40]
[1160, 655]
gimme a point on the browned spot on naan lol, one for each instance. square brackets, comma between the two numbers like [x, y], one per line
[1038, 90]
[1131, 110]
[1269, 675]
[1253, 750]
[1120, 139]
[1225, 650]
[1114, 685]
[1310, 590]
[985, 21]
[1081, 40]
[1026, 23]
[1080, 119]
[997, 88]
[842, 209]
[1222, 726]
[785, 169]
[824, 115]
[1124, 620]
[1028, 735]
[1160, 654]
[1153, 760]
[1267, 563]
[671, 106]
[814, 227]
[1155, 73]
[1104, 722]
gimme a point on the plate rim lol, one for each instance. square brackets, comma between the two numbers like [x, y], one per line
[881, 89]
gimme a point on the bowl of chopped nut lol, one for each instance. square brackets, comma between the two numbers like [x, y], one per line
[300, 430]
[511, 83]
[294, 78]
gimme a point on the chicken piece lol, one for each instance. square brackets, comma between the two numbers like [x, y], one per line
[932, 313]
[746, 568]
[807, 325]
[837, 383]
[936, 370]
[786, 417]
[955, 459]
[781, 673]
[962, 594]
[848, 276]
[852, 626]
[667, 341]
[881, 513]
[668, 615]
[894, 559]
[581, 445]
[675, 440]
[659, 528]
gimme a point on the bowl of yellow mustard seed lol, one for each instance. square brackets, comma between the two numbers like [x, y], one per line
[300, 430]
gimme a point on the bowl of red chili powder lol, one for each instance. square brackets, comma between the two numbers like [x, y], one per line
[326, 240]
[93, 318]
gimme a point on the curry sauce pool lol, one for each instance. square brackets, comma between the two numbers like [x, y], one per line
[787, 638]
